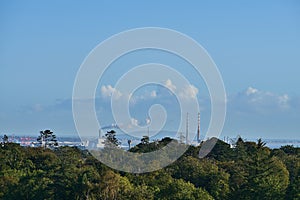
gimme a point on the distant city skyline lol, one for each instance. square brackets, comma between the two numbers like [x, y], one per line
[255, 45]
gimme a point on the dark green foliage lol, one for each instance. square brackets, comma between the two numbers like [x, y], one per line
[147, 146]
[248, 171]
[290, 150]
[47, 139]
[111, 140]
[260, 175]
[202, 173]
[290, 156]
[221, 151]
[145, 140]
[5, 139]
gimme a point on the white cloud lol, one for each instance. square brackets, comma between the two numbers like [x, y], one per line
[254, 100]
[108, 91]
[168, 84]
[283, 101]
[251, 91]
[186, 92]
[189, 92]
[134, 122]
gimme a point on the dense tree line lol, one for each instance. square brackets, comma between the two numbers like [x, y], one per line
[249, 170]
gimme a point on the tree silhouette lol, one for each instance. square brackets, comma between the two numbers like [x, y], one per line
[47, 139]
[145, 140]
[260, 143]
[111, 140]
[5, 138]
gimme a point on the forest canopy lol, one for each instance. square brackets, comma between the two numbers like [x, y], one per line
[249, 170]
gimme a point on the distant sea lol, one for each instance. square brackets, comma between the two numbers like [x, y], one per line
[75, 140]
[277, 143]
[271, 143]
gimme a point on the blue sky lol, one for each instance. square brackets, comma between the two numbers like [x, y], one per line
[255, 45]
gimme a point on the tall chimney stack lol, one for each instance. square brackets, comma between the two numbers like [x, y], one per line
[198, 130]
[187, 129]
